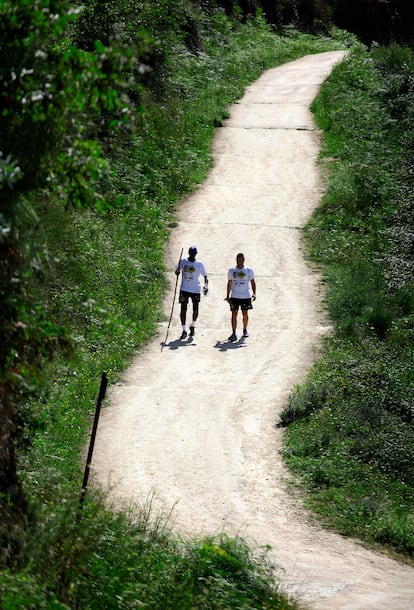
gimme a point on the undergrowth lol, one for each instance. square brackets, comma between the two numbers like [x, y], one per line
[351, 438]
[100, 559]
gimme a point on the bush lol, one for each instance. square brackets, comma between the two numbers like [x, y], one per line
[352, 436]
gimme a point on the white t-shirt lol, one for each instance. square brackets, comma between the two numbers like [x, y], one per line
[191, 271]
[240, 282]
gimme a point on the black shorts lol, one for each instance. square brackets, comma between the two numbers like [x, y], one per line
[184, 296]
[242, 303]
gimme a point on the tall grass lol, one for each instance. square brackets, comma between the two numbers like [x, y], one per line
[101, 276]
[353, 436]
[111, 560]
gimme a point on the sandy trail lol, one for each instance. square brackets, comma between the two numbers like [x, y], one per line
[195, 421]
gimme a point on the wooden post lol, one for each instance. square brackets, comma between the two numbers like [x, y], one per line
[101, 396]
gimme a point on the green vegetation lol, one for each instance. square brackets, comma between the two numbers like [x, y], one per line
[352, 440]
[103, 560]
[107, 125]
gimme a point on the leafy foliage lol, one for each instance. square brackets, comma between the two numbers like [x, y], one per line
[54, 96]
[53, 100]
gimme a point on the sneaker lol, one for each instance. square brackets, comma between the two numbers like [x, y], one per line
[192, 331]
[233, 337]
[245, 333]
[183, 335]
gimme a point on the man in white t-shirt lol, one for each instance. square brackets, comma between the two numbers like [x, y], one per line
[190, 288]
[239, 279]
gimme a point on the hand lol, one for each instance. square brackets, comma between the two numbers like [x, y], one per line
[254, 297]
[205, 290]
[177, 272]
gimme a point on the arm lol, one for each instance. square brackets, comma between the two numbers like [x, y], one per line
[253, 283]
[205, 289]
[229, 283]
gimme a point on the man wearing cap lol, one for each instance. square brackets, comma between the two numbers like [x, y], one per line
[190, 288]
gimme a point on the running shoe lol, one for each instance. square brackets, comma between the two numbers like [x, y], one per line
[245, 333]
[183, 335]
[192, 331]
[233, 337]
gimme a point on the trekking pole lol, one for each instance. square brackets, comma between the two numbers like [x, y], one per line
[175, 292]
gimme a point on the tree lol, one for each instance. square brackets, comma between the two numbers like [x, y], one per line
[54, 100]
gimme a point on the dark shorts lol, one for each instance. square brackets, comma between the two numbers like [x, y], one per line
[184, 296]
[242, 303]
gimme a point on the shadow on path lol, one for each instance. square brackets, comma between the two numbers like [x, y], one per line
[224, 346]
[173, 345]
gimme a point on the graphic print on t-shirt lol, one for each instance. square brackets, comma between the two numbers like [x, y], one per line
[241, 274]
[192, 270]
[240, 282]
[189, 269]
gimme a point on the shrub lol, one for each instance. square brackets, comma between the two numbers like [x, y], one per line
[352, 433]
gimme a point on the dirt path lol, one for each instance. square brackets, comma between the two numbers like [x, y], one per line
[195, 421]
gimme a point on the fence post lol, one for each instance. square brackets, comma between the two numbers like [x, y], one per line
[101, 396]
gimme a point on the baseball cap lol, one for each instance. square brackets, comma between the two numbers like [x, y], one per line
[192, 251]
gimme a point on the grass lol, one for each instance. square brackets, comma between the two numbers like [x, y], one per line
[100, 275]
[114, 560]
[351, 434]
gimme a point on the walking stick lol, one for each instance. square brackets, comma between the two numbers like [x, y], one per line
[175, 292]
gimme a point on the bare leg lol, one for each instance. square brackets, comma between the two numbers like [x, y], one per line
[234, 320]
[195, 311]
[245, 318]
[183, 313]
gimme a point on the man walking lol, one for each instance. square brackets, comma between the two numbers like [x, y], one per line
[239, 279]
[190, 288]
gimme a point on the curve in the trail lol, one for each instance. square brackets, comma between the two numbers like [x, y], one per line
[194, 421]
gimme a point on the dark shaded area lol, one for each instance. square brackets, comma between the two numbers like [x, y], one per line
[376, 21]
[371, 21]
